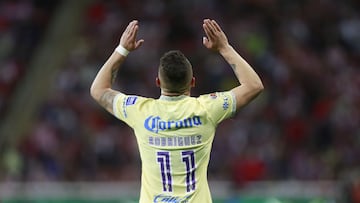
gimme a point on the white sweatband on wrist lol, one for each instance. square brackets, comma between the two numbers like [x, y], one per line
[121, 50]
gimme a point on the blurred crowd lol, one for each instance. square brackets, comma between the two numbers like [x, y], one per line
[22, 25]
[304, 126]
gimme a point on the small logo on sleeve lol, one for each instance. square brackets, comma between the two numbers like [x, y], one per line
[226, 102]
[213, 96]
[131, 100]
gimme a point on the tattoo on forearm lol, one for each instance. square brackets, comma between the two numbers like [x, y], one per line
[113, 75]
[106, 100]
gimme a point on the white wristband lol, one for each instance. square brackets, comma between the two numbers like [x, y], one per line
[121, 50]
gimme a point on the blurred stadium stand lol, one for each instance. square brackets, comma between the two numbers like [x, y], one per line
[101, 192]
[304, 127]
[22, 28]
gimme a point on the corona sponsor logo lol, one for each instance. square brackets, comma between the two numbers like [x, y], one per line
[156, 124]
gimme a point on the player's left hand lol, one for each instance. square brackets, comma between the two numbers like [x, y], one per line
[128, 38]
[215, 38]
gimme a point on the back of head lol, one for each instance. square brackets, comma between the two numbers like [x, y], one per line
[175, 72]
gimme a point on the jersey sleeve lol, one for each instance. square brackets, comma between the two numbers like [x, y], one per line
[126, 107]
[219, 105]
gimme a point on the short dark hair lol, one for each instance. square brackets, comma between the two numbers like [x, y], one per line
[175, 71]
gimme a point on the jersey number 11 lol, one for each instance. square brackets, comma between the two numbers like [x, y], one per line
[188, 157]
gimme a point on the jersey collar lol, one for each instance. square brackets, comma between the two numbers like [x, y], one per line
[172, 98]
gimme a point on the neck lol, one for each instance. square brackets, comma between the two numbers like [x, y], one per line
[174, 94]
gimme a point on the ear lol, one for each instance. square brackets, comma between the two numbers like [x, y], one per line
[157, 82]
[192, 83]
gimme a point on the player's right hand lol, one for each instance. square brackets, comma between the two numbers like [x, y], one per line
[215, 38]
[128, 38]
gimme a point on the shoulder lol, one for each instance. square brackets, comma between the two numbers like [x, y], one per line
[124, 101]
[131, 99]
[219, 105]
[125, 106]
[216, 97]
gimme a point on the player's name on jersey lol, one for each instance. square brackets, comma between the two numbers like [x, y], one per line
[175, 141]
[155, 123]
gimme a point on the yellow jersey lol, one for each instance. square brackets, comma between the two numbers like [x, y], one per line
[174, 136]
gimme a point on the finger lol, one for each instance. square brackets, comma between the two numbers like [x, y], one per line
[205, 41]
[133, 32]
[208, 32]
[139, 43]
[217, 26]
[128, 28]
[206, 27]
[211, 26]
[134, 28]
[134, 23]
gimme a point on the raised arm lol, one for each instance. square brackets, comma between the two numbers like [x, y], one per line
[250, 83]
[101, 87]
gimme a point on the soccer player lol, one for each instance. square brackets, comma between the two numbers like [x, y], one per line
[175, 132]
